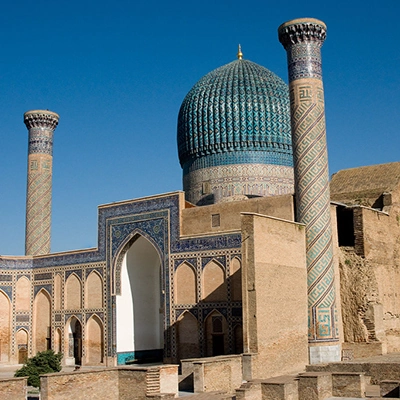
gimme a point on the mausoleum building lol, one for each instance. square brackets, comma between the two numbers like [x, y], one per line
[259, 255]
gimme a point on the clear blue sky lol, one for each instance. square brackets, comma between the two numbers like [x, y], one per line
[117, 72]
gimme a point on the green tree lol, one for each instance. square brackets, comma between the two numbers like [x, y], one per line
[45, 362]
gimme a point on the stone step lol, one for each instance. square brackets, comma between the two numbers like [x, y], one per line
[349, 384]
[315, 385]
[280, 388]
[372, 391]
[211, 396]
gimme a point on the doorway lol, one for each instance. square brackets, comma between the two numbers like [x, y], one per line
[75, 340]
[140, 329]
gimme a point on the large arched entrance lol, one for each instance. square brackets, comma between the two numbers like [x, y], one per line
[139, 313]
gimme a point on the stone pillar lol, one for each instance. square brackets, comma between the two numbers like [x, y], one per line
[41, 125]
[302, 40]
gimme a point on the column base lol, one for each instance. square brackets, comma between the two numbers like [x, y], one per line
[69, 361]
[324, 354]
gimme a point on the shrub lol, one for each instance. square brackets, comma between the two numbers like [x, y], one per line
[45, 362]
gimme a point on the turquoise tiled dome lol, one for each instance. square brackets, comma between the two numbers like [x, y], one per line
[238, 113]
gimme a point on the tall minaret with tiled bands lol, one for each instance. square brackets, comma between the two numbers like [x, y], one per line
[41, 125]
[302, 40]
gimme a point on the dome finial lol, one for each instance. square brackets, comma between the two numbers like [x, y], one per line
[240, 54]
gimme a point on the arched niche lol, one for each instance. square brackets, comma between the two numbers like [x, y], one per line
[5, 327]
[139, 310]
[94, 341]
[73, 293]
[213, 281]
[57, 291]
[94, 291]
[216, 328]
[185, 284]
[23, 294]
[73, 342]
[188, 336]
[236, 280]
[21, 339]
[238, 339]
[42, 321]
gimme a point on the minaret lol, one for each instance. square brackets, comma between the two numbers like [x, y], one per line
[41, 125]
[302, 40]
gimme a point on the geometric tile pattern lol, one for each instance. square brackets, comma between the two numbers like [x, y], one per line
[303, 42]
[303, 39]
[38, 207]
[240, 179]
[236, 114]
[41, 125]
[157, 219]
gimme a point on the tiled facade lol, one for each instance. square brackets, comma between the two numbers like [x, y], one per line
[236, 276]
[156, 219]
[235, 116]
[238, 179]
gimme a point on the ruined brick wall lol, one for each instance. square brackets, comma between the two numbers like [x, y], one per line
[370, 277]
[358, 290]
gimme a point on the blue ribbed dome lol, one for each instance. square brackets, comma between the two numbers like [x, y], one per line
[238, 113]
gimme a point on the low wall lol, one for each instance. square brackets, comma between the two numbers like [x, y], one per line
[13, 388]
[378, 371]
[363, 350]
[121, 383]
[220, 373]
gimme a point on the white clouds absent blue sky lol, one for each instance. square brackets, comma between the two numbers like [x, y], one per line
[117, 72]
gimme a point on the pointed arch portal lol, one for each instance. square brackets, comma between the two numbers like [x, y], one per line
[74, 337]
[139, 311]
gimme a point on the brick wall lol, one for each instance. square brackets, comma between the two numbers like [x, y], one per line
[13, 389]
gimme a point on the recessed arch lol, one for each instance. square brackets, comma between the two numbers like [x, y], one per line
[57, 291]
[42, 321]
[21, 339]
[236, 279]
[185, 284]
[73, 341]
[94, 341]
[213, 282]
[188, 336]
[73, 293]
[216, 328]
[5, 327]
[139, 309]
[120, 256]
[94, 291]
[23, 294]
[238, 339]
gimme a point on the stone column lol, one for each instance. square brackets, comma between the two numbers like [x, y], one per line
[41, 125]
[302, 40]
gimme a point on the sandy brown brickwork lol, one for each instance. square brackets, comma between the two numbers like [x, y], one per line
[271, 250]
[370, 269]
[13, 389]
[5, 324]
[124, 383]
